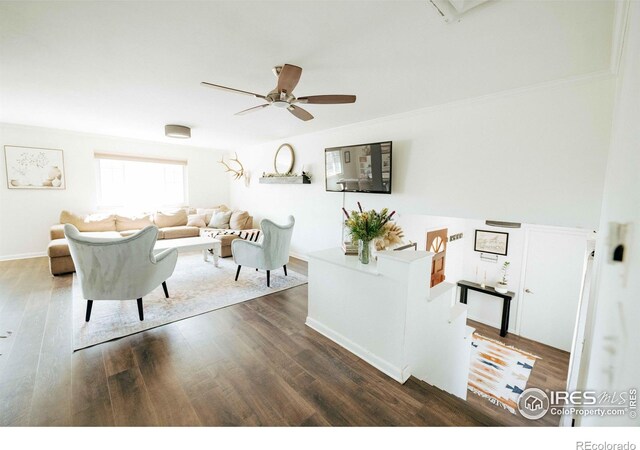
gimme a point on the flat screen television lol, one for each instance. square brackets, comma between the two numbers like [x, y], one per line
[359, 168]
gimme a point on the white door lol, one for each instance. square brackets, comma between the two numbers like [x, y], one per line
[552, 282]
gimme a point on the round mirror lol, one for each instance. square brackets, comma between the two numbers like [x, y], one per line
[283, 162]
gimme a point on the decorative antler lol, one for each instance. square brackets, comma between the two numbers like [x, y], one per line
[237, 174]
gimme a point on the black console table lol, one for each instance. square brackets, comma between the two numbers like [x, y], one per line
[506, 300]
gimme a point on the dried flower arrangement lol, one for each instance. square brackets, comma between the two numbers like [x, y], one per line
[367, 225]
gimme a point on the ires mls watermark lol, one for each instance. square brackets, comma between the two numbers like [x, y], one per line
[535, 403]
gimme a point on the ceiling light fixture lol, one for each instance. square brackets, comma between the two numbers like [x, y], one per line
[177, 131]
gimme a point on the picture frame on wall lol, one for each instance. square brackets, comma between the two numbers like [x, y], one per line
[347, 156]
[34, 168]
[494, 242]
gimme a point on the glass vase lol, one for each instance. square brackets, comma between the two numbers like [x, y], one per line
[364, 251]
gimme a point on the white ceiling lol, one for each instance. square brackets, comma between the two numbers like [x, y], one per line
[128, 68]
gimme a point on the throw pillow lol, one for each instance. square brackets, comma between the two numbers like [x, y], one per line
[91, 222]
[175, 218]
[220, 220]
[196, 220]
[208, 212]
[239, 220]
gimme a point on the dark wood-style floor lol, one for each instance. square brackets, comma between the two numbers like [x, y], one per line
[254, 363]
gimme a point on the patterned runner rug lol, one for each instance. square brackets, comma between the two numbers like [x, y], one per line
[498, 372]
[196, 287]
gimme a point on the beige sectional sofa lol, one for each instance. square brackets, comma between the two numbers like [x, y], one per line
[173, 224]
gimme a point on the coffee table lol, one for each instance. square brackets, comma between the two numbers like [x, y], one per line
[193, 243]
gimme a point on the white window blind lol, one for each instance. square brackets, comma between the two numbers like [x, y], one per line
[137, 182]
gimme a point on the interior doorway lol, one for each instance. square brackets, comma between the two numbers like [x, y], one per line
[437, 243]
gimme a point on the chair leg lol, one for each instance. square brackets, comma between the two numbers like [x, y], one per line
[238, 272]
[140, 313]
[89, 306]
[166, 291]
[285, 270]
[268, 278]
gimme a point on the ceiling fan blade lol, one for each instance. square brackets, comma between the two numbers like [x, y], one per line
[288, 78]
[300, 113]
[247, 111]
[327, 99]
[224, 88]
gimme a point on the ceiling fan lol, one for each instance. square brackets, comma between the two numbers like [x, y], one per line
[282, 96]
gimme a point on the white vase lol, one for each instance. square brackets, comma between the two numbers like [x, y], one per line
[501, 288]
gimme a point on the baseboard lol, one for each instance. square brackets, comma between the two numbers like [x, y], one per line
[301, 256]
[398, 374]
[23, 256]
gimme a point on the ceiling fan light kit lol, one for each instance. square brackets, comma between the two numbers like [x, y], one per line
[282, 96]
[177, 131]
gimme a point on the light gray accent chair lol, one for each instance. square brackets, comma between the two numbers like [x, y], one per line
[270, 253]
[119, 268]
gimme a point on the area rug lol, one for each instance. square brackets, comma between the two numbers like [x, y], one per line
[498, 372]
[196, 287]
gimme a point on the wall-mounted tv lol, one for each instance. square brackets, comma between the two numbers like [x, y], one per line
[359, 168]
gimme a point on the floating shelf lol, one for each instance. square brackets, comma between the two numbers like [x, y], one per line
[285, 180]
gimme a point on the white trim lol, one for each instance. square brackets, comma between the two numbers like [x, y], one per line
[138, 158]
[301, 256]
[603, 74]
[22, 256]
[398, 374]
[521, 288]
[620, 24]
[583, 78]
[162, 142]
[558, 229]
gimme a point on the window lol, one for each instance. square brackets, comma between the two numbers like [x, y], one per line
[333, 163]
[132, 182]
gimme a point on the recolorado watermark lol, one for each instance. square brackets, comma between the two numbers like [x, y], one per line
[535, 403]
[589, 445]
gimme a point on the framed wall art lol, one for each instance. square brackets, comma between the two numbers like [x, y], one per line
[495, 242]
[34, 168]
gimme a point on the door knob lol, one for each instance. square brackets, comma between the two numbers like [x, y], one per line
[528, 291]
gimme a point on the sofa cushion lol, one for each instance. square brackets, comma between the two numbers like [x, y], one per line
[220, 220]
[126, 222]
[56, 231]
[240, 220]
[196, 220]
[58, 248]
[180, 232]
[91, 222]
[174, 218]
[61, 265]
[227, 238]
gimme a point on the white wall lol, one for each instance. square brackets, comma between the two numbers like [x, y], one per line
[481, 307]
[536, 156]
[26, 215]
[611, 350]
